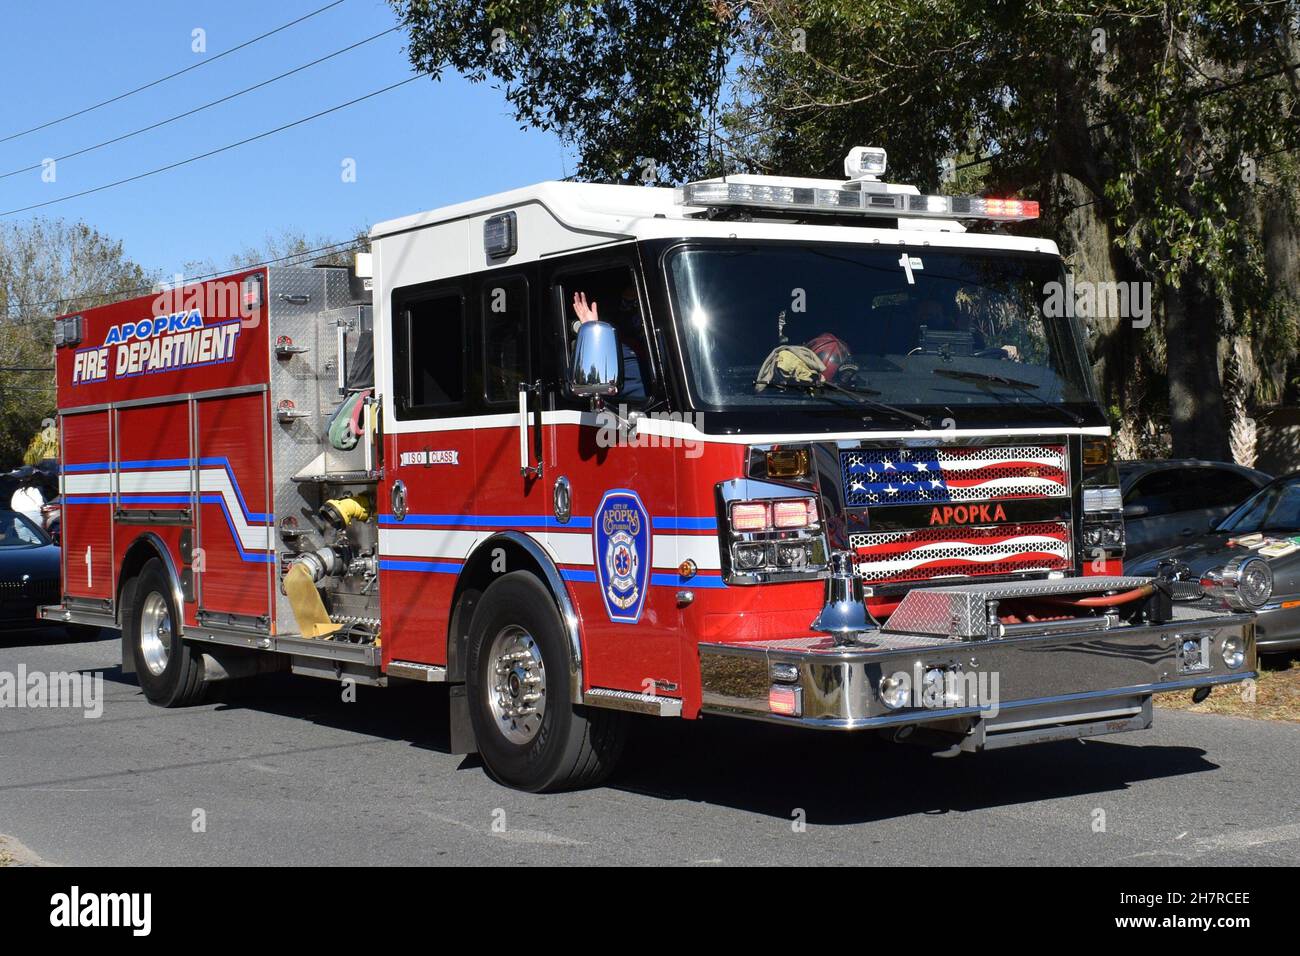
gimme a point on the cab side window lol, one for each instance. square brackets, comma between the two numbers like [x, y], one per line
[429, 354]
[609, 294]
[505, 339]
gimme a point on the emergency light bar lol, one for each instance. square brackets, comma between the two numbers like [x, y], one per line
[864, 194]
[856, 201]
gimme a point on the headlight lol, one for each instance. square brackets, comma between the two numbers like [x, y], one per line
[792, 555]
[1233, 652]
[894, 691]
[1245, 583]
[770, 534]
[1103, 534]
[750, 557]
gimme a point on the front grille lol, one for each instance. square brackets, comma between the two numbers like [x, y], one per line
[910, 476]
[45, 591]
[928, 553]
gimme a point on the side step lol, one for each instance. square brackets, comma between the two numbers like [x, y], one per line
[997, 735]
[413, 670]
[630, 700]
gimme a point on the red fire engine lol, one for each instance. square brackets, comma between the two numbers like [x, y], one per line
[805, 451]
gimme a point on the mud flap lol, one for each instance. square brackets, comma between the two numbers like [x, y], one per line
[462, 732]
[123, 610]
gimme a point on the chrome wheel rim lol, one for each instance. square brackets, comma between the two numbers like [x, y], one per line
[156, 633]
[516, 684]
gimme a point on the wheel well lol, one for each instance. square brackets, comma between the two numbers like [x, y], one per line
[144, 549]
[499, 555]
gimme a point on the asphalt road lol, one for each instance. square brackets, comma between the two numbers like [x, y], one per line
[284, 772]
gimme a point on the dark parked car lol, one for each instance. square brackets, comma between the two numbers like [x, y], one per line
[29, 570]
[1171, 501]
[1274, 514]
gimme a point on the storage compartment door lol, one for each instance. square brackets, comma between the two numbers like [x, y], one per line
[87, 521]
[234, 567]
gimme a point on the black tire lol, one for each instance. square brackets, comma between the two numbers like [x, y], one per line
[176, 680]
[571, 746]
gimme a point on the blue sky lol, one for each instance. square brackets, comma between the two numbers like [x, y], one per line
[421, 146]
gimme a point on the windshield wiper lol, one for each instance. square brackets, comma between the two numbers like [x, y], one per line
[862, 395]
[1023, 387]
[819, 388]
[969, 376]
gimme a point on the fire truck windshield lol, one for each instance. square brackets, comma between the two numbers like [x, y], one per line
[925, 329]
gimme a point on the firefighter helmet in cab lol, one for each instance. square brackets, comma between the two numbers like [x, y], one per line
[833, 352]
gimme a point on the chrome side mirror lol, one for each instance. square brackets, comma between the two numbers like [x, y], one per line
[597, 370]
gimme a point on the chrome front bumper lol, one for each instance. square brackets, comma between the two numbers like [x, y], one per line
[1094, 679]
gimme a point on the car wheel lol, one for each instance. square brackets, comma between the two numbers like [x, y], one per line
[529, 734]
[170, 672]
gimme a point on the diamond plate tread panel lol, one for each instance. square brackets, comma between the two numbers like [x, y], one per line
[1047, 586]
[632, 701]
[962, 610]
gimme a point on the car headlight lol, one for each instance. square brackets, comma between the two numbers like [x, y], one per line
[1233, 652]
[1245, 583]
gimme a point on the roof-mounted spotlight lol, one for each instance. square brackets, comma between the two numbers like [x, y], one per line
[865, 162]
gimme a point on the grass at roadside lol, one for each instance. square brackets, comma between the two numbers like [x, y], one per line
[1276, 695]
[13, 853]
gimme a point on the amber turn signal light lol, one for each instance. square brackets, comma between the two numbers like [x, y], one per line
[1096, 452]
[787, 463]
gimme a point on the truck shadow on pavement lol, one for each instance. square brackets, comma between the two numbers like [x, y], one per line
[41, 635]
[835, 779]
[844, 779]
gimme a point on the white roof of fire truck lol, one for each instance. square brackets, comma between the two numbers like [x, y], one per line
[555, 217]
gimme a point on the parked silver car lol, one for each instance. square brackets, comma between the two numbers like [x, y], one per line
[1170, 501]
[1270, 515]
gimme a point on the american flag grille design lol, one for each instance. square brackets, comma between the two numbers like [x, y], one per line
[928, 553]
[911, 476]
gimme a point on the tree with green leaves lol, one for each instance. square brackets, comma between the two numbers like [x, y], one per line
[633, 83]
[1172, 124]
[48, 268]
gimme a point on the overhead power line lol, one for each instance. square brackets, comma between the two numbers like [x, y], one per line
[199, 109]
[169, 76]
[212, 152]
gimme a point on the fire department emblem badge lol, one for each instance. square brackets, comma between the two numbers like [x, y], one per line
[622, 532]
